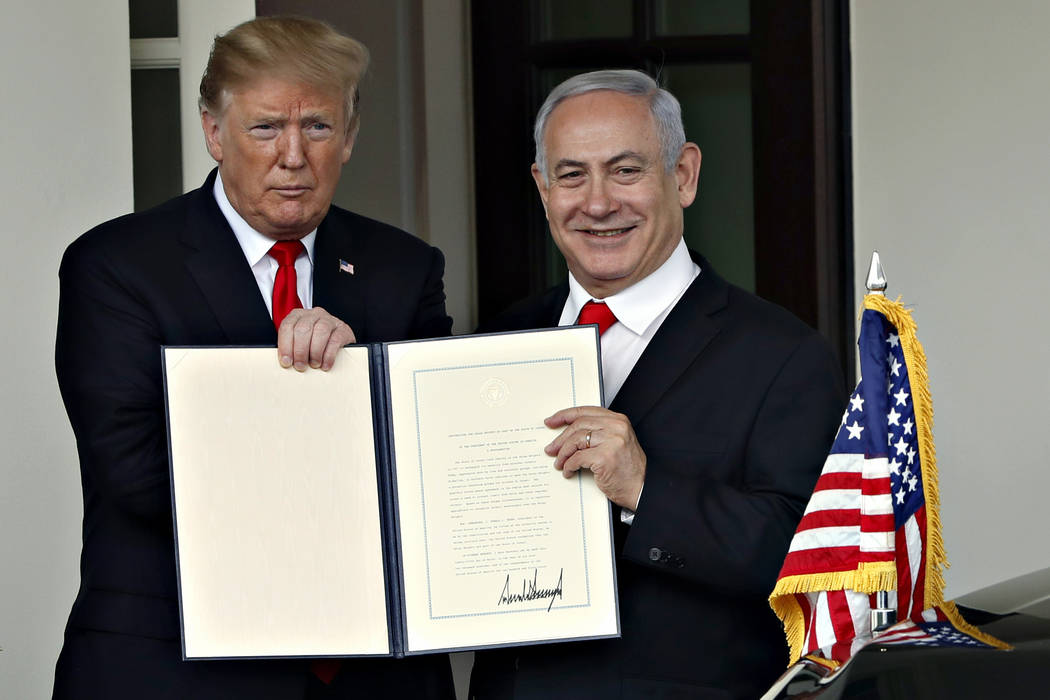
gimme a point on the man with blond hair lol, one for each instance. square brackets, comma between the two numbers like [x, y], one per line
[257, 256]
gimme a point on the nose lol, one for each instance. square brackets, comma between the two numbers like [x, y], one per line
[600, 201]
[291, 145]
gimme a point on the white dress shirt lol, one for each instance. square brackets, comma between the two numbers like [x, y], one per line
[256, 246]
[640, 310]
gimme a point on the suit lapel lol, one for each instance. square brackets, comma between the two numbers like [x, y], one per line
[218, 266]
[342, 293]
[554, 303]
[682, 336]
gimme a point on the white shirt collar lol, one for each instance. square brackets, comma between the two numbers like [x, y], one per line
[254, 244]
[639, 305]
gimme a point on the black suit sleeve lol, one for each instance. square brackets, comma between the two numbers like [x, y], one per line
[730, 528]
[108, 364]
[431, 319]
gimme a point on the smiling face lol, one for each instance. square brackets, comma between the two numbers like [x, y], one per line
[614, 211]
[280, 147]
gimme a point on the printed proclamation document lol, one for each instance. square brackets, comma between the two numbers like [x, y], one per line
[399, 504]
[498, 546]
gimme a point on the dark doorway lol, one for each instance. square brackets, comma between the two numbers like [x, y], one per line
[764, 92]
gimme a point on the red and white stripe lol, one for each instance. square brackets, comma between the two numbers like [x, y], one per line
[849, 518]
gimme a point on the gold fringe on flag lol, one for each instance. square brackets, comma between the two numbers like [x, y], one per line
[936, 555]
[915, 361]
[868, 577]
[789, 611]
[829, 664]
[956, 618]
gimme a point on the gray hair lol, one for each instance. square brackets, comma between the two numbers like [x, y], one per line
[664, 107]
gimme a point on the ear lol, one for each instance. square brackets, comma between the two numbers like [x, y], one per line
[687, 174]
[212, 135]
[541, 186]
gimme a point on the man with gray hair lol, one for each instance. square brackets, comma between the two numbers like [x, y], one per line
[721, 410]
[257, 256]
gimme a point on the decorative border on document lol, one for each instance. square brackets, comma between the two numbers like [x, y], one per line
[423, 503]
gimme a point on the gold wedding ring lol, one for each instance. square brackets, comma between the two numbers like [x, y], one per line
[588, 438]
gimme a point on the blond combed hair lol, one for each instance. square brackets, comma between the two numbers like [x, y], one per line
[298, 49]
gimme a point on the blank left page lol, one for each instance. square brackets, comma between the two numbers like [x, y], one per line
[277, 511]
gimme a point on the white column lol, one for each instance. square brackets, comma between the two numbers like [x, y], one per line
[66, 141]
[199, 22]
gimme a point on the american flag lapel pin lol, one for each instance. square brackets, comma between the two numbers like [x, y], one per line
[346, 267]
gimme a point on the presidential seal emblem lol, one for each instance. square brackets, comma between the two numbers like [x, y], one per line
[494, 392]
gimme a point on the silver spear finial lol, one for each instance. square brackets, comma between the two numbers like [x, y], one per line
[876, 282]
[882, 615]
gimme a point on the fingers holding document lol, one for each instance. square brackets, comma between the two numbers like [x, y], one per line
[604, 442]
[311, 338]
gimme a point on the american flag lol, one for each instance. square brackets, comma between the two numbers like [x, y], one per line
[867, 526]
[935, 633]
[935, 627]
[873, 521]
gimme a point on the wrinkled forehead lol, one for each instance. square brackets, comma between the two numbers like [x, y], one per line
[600, 121]
[278, 92]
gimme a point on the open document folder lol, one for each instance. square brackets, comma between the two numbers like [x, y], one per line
[400, 503]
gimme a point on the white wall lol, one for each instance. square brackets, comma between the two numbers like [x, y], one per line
[951, 167]
[66, 143]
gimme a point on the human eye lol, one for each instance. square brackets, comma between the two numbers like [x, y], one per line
[263, 130]
[627, 173]
[318, 129]
[569, 177]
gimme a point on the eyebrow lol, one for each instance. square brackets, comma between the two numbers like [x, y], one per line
[623, 155]
[311, 117]
[277, 119]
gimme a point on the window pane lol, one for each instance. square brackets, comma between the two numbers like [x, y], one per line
[584, 19]
[156, 136]
[677, 18]
[716, 109]
[153, 19]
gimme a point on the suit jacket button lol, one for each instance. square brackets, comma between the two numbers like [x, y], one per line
[655, 554]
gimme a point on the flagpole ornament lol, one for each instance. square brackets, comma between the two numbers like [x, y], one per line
[876, 282]
[883, 613]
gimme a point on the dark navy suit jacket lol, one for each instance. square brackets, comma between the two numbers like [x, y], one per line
[735, 403]
[176, 275]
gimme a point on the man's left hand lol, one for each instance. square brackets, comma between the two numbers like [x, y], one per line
[311, 338]
[595, 438]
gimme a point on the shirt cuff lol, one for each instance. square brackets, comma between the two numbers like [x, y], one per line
[626, 514]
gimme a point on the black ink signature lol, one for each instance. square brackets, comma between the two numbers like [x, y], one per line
[530, 591]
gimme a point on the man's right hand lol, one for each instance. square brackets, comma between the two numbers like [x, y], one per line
[598, 439]
[311, 338]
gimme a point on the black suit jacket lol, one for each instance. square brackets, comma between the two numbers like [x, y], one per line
[735, 403]
[176, 275]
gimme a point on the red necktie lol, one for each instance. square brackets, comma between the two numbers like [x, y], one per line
[597, 312]
[285, 295]
[286, 298]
